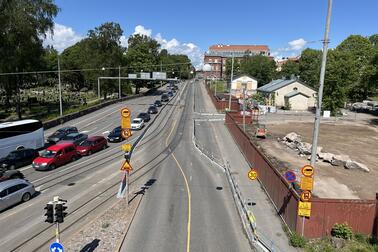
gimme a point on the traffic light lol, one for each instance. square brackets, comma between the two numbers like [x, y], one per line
[59, 212]
[49, 213]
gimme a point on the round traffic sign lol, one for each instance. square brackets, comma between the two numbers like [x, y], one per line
[125, 112]
[56, 247]
[290, 176]
[307, 170]
[306, 196]
[252, 174]
[126, 133]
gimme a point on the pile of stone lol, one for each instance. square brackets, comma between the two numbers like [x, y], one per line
[294, 142]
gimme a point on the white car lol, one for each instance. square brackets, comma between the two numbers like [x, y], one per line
[137, 124]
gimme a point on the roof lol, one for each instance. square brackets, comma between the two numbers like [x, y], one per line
[241, 75]
[294, 93]
[251, 48]
[59, 146]
[16, 123]
[11, 182]
[93, 138]
[277, 84]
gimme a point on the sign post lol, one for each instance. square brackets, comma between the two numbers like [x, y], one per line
[307, 184]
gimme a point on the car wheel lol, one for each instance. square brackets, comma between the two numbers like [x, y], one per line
[104, 147]
[52, 167]
[26, 197]
[12, 167]
[74, 158]
[89, 153]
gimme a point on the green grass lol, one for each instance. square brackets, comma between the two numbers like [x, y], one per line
[221, 86]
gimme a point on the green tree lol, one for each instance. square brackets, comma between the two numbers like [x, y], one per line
[260, 67]
[309, 67]
[23, 23]
[289, 68]
[237, 67]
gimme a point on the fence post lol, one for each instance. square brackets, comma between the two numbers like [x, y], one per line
[375, 227]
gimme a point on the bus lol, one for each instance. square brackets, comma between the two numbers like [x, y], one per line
[20, 134]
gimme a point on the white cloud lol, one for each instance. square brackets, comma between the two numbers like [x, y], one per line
[297, 44]
[173, 46]
[139, 29]
[123, 41]
[293, 49]
[62, 37]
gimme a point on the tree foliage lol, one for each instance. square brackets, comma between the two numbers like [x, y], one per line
[289, 69]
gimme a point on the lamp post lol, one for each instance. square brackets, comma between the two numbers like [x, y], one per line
[232, 76]
[98, 85]
[60, 90]
[244, 84]
[119, 82]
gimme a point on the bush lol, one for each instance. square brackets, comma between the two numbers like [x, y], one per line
[342, 230]
[297, 241]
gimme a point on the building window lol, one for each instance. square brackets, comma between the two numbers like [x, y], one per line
[210, 60]
[295, 89]
[215, 61]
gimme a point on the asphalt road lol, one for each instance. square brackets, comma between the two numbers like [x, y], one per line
[189, 206]
[89, 184]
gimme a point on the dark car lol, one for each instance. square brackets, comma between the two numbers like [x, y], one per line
[18, 158]
[91, 145]
[61, 133]
[115, 135]
[158, 103]
[152, 110]
[6, 174]
[75, 138]
[145, 116]
[170, 93]
[164, 98]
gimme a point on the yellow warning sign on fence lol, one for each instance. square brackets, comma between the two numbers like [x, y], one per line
[304, 209]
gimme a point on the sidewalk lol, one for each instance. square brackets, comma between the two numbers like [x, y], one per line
[269, 224]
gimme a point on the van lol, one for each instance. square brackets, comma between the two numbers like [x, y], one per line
[55, 155]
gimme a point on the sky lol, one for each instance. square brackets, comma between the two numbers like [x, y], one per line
[190, 27]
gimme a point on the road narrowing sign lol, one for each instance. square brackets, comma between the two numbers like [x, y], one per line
[126, 166]
[307, 171]
[252, 174]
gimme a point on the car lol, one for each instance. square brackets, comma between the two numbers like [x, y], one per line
[61, 133]
[15, 191]
[18, 158]
[145, 116]
[158, 103]
[55, 155]
[164, 98]
[6, 174]
[92, 144]
[75, 138]
[115, 135]
[137, 124]
[174, 87]
[170, 93]
[152, 110]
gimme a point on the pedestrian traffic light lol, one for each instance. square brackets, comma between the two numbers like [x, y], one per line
[49, 213]
[125, 119]
[59, 212]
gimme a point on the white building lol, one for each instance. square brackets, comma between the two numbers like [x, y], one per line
[239, 81]
[291, 94]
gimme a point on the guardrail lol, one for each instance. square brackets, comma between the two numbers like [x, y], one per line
[257, 240]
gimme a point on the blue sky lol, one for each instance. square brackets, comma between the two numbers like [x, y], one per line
[191, 27]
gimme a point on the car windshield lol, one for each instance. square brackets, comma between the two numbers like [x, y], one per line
[86, 143]
[137, 120]
[70, 137]
[48, 153]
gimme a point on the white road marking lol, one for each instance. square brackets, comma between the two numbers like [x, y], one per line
[84, 131]
[25, 168]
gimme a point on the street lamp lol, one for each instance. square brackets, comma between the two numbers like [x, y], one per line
[232, 76]
[244, 84]
[60, 90]
[98, 85]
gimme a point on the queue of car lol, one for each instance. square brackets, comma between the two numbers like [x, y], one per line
[67, 144]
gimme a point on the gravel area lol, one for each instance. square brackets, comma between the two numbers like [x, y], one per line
[106, 232]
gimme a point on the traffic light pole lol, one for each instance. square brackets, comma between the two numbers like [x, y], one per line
[57, 232]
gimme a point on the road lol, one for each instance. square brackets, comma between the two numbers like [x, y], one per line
[89, 184]
[189, 207]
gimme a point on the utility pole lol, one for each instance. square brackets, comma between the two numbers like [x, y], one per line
[60, 90]
[161, 70]
[321, 85]
[119, 82]
[244, 87]
[232, 76]
[98, 88]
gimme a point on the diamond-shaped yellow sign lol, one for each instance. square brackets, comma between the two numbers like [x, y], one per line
[126, 147]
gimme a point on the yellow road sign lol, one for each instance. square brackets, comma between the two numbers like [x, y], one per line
[307, 183]
[126, 133]
[126, 167]
[252, 174]
[304, 209]
[126, 147]
[307, 170]
[125, 119]
[306, 196]
[125, 112]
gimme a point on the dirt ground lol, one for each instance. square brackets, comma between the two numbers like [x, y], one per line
[357, 139]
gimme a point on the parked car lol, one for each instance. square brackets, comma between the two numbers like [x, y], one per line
[115, 135]
[145, 116]
[137, 124]
[158, 103]
[75, 138]
[61, 133]
[92, 144]
[164, 98]
[15, 191]
[170, 93]
[152, 110]
[6, 174]
[55, 155]
[18, 158]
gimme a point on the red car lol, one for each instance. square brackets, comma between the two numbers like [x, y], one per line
[92, 144]
[55, 155]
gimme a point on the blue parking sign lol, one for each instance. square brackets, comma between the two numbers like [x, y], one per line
[56, 247]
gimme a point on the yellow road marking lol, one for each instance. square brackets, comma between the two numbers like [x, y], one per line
[187, 190]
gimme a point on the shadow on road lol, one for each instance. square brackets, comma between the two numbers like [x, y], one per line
[143, 189]
[91, 246]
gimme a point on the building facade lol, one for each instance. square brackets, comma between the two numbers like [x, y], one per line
[237, 87]
[217, 55]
